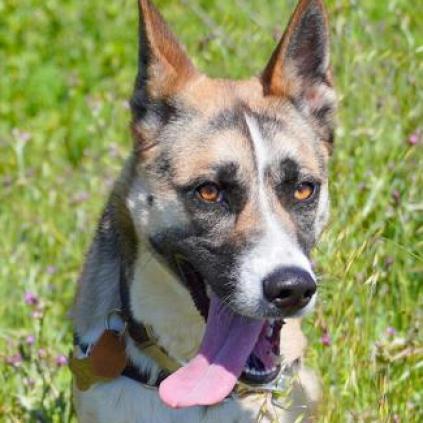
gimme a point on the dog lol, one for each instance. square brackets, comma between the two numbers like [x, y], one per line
[189, 304]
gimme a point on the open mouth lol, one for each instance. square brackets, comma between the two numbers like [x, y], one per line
[233, 347]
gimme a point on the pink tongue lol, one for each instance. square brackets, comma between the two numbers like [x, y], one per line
[211, 375]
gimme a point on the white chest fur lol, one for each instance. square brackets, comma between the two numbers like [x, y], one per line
[126, 401]
[159, 300]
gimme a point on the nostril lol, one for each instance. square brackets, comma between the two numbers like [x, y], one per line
[308, 294]
[284, 293]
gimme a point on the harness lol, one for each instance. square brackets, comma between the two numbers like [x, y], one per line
[107, 359]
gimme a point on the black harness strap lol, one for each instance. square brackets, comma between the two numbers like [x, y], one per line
[124, 293]
[137, 332]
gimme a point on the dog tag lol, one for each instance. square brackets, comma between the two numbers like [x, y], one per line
[108, 356]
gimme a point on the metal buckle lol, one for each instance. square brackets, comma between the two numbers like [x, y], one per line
[278, 385]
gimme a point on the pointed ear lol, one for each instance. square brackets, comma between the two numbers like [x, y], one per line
[163, 65]
[299, 67]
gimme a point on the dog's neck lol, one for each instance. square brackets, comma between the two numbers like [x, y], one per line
[160, 301]
[157, 299]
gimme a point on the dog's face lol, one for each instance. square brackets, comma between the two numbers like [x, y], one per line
[230, 188]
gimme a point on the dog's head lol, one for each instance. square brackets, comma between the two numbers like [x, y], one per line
[231, 186]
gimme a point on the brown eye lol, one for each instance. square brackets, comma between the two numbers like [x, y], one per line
[210, 193]
[304, 191]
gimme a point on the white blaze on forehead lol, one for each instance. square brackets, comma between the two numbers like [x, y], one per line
[275, 248]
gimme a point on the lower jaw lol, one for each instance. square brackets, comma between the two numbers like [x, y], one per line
[257, 377]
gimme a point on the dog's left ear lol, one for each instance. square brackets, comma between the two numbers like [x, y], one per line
[164, 69]
[163, 66]
[299, 67]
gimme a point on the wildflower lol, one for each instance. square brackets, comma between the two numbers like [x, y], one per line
[325, 339]
[390, 331]
[31, 299]
[61, 360]
[414, 138]
[30, 340]
[14, 360]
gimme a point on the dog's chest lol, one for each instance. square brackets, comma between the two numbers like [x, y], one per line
[125, 401]
[159, 300]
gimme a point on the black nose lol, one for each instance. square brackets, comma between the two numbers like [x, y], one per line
[289, 288]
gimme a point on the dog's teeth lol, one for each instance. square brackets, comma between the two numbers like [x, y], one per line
[259, 373]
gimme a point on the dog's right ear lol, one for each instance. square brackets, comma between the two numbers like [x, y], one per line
[299, 67]
[163, 66]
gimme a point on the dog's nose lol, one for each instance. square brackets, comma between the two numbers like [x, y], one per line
[289, 288]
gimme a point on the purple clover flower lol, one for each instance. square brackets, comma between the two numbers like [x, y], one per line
[325, 339]
[30, 340]
[390, 331]
[31, 299]
[61, 360]
[414, 138]
[14, 360]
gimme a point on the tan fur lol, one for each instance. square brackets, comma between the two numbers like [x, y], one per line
[279, 77]
[171, 67]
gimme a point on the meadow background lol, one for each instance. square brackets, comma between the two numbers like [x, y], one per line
[66, 72]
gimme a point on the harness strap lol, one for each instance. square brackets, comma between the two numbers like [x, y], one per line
[133, 372]
[124, 295]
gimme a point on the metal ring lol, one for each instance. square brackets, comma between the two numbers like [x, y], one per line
[118, 313]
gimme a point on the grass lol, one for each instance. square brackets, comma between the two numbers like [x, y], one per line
[66, 71]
